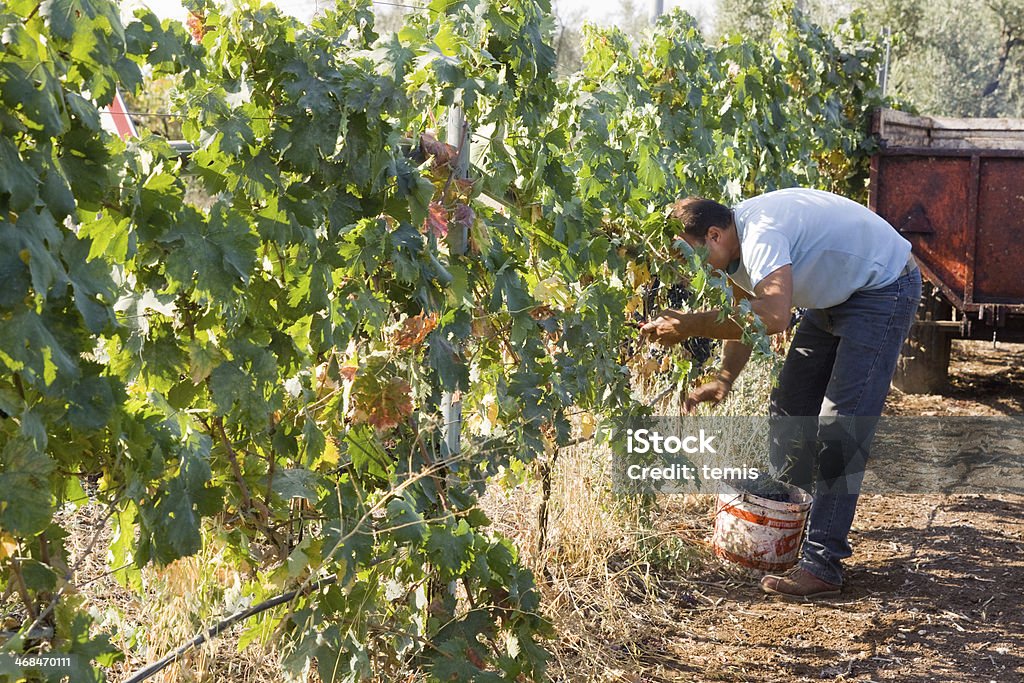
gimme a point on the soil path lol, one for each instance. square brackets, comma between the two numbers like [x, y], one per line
[933, 593]
[934, 590]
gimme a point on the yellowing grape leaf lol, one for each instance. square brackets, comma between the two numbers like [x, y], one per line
[586, 425]
[8, 546]
[330, 455]
[639, 274]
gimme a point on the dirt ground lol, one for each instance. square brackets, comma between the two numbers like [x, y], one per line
[932, 594]
[982, 381]
[933, 590]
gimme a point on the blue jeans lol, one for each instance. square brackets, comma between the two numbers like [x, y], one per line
[826, 405]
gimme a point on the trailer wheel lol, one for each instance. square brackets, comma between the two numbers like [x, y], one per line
[924, 364]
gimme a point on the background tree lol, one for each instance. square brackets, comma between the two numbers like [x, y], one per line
[747, 18]
[971, 62]
[631, 17]
[568, 41]
[947, 58]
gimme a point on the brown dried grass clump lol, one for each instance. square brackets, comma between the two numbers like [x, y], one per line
[178, 601]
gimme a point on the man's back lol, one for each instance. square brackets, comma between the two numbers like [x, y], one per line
[835, 245]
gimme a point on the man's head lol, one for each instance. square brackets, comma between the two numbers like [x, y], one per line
[707, 223]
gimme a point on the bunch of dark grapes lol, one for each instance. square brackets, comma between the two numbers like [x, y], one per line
[676, 296]
[701, 349]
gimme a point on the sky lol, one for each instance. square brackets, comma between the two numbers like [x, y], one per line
[570, 10]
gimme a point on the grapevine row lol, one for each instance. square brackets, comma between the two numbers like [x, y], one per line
[250, 347]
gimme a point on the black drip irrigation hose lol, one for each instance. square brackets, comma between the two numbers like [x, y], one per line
[217, 629]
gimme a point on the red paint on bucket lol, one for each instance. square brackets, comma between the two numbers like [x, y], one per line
[759, 533]
[762, 519]
[750, 562]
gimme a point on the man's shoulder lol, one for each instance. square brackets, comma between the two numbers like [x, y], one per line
[792, 197]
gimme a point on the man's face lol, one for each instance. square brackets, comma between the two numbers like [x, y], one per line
[717, 244]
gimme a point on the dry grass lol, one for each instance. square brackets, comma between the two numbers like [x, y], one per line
[176, 603]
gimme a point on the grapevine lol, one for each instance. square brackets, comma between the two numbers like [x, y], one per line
[261, 334]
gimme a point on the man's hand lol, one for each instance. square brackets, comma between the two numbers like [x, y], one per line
[713, 392]
[667, 329]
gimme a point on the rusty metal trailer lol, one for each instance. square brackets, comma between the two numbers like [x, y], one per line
[955, 189]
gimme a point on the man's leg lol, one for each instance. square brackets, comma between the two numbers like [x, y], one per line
[796, 400]
[793, 418]
[871, 327]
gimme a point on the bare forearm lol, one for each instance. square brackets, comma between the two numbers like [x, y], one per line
[735, 355]
[771, 306]
[734, 358]
[707, 324]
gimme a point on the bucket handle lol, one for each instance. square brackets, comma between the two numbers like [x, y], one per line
[722, 506]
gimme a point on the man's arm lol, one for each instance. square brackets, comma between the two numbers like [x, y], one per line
[735, 355]
[772, 302]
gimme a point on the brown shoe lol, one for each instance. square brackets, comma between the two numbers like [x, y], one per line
[799, 584]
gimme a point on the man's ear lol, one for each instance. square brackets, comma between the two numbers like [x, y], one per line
[714, 234]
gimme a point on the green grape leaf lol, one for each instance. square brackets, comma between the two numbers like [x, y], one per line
[109, 234]
[122, 546]
[14, 271]
[169, 520]
[451, 548]
[26, 504]
[405, 522]
[74, 632]
[17, 181]
[29, 347]
[296, 483]
[245, 386]
[91, 403]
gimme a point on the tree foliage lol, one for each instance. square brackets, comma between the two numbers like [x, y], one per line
[947, 58]
[955, 59]
[293, 338]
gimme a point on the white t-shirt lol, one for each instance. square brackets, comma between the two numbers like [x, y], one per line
[835, 245]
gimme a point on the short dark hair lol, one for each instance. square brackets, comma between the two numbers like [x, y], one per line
[698, 214]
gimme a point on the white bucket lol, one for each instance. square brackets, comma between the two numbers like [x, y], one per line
[759, 533]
